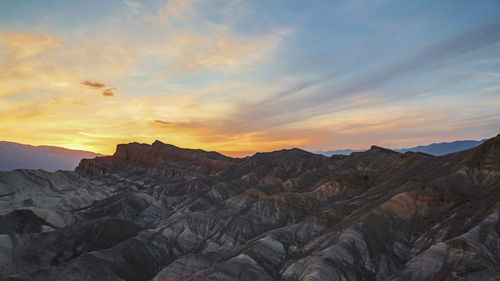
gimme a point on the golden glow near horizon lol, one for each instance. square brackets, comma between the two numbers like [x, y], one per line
[234, 80]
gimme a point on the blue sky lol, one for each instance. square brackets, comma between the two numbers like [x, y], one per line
[246, 76]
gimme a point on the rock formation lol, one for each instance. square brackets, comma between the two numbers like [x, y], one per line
[163, 213]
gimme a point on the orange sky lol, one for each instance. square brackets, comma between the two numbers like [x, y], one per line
[241, 80]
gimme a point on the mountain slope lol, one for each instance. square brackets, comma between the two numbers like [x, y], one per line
[50, 158]
[167, 213]
[436, 149]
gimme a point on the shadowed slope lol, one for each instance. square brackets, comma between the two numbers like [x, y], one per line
[187, 214]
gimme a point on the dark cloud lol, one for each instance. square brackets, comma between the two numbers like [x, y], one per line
[95, 85]
[109, 92]
[163, 123]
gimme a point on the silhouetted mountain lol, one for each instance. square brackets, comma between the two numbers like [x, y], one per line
[160, 212]
[444, 148]
[339, 152]
[50, 158]
[436, 149]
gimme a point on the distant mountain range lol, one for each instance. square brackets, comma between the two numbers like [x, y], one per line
[50, 158]
[436, 149]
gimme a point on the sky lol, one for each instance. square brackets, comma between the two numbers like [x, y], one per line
[245, 76]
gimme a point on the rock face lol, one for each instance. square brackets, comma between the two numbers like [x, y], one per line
[160, 159]
[163, 213]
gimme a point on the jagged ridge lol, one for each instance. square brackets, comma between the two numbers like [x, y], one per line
[158, 158]
[166, 213]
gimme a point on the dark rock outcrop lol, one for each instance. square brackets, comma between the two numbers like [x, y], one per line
[160, 159]
[159, 212]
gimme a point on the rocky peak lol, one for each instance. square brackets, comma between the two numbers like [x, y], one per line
[487, 155]
[285, 153]
[294, 156]
[372, 159]
[157, 142]
[375, 148]
[159, 158]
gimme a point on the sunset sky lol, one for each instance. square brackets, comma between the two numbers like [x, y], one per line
[245, 76]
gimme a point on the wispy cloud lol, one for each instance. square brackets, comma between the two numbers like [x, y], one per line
[320, 96]
[492, 89]
[201, 37]
[133, 6]
[193, 52]
[31, 61]
[177, 10]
